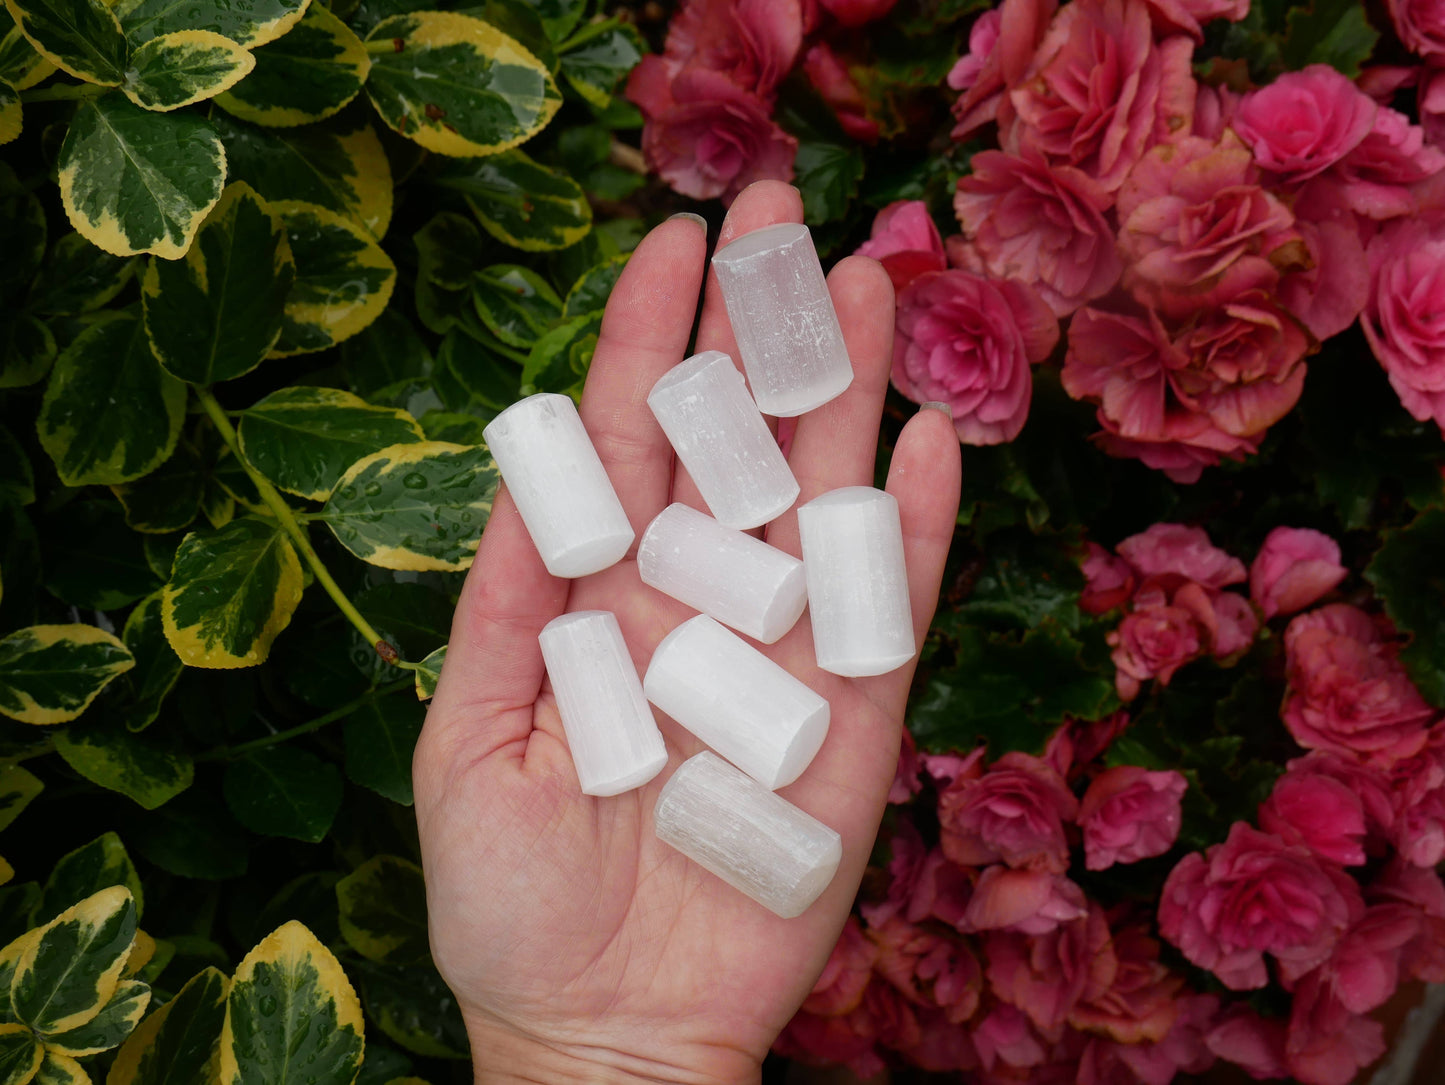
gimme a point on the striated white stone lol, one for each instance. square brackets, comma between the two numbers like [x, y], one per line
[704, 408]
[857, 582]
[737, 700]
[559, 484]
[759, 843]
[725, 573]
[783, 319]
[611, 732]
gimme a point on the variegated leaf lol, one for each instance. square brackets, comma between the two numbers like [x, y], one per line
[59, 1069]
[520, 202]
[68, 974]
[20, 1055]
[17, 787]
[85, 871]
[245, 22]
[11, 120]
[110, 1027]
[178, 1043]
[306, 76]
[183, 67]
[21, 64]
[383, 910]
[428, 672]
[50, 673]
[81, 37]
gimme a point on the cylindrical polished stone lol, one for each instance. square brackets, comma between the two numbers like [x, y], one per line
[759, 843]
[737, 700]
[725, 573]
[857, 582]
[559, 484]
[783, 319]
[611, 732]
[704, 408]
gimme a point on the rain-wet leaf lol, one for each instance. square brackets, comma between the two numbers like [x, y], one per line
[81, 37]
[72, 967]
[305, 76]
[520, 202]
[179, 1042]
[245, 22]
[50, 673]
[383, 911]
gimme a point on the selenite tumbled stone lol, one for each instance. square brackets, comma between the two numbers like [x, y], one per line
[783, 319]
[737, 700]
[725, 573]
[704, 408]
[857, 582]
[611, 732]
[759, 843]
[559, 484]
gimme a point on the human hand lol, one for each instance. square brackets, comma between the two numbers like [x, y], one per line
[578, 945]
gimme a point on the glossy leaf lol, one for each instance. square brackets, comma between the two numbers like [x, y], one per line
[1407, 576]
[86, 871]
[136, 181]
[20, 1054]
[11, 119]
[178, 1043]
[428, 672]
[415, 506]
[230, 594]
[50, 673]
[107, 1029]
[21, 65]
[217, 312]
[284, 791]
[193, 836]
[92, 559]
[79, 277]
[387, 351]
[81, 37]
[70, 970]
[291, 1015]
[343, 279]
[305, 76]
[168, 498]
[245, 22]
[415, 1008]
[157, 665]
[560, 17]
[18, 786]
[379, 739]
[590, 292]
[185, 66]
[515, 303]
[27, 349]
[558, 362]
[599, 58]
[485, 376]
[303, 439]
[146, 771]
[110, 413]
[520, 202]
[458, 85]
[58, 1069]
[383, 911]
[447, 249]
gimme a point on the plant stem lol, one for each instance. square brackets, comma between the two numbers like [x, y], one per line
[287, 519]
[66, 92]
[309, 726]
[384, 45]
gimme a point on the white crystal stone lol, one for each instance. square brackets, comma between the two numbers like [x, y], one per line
[704, 408]
[857, 582]
[759, 843]
[611, 732]
[725, 573]
[559, 484]
[783, 319]
[737, 700]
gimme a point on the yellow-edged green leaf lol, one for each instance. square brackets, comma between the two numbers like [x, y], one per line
[515, 303]
[457, 85]
[303, 439]
[217, 312]
[521, 202]
[408, 1081]
[184, 66]
[81, 37]
[245, 22]
[110, 413]
[559, 360]
[21, 65]
[415, 1008]
[11, 954]
[340, 165]
[65, 977]
[415, 506]
[79, 277]
[177, 1044]
[59, 1069]
[11, 120]
[27, 349]
[230, 594]
[448, 248]
[51, 673]
[383, 911]
[284, 791]
[379, 739]
[428, 672]
[17, 788]
[306, 76]
[6, 871]
[140, 954]
[105, 752]
[388, 351]
[291, 1015]
[136, 181]
[217, 504]
[560, 17]
[157, 667]
[168, 498]
[20, 1055]
[343, 279]
[461, 429]
[593, 287]
[599, 58]
[107, 1029]
[86, 871]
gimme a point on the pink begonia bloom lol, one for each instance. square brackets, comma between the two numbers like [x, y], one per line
[906, 242]
[1401, 882]
[1326, 1043]
[1001, 45]
[1253, 1043]
[1430, 100]
[831, 79]
[1100, 91]
[1005, 1036]
[964, 340]
[1046, 975]
[858, 12]
[1304, 122]
[1383, 81]
[1253, 895]
[1109, 581]
[928, 968]
[945, 768]
[1214, 109]
[1074, 746]
[1419, 790]
[1294, 567]
[1187, 16]
[1378, 176]
[1420, 24]
[1404, 318]
[1137, 1003]
[1015, 812]
[706, 137]
[1130, 813]
[1364, 969]
[1171, 555]
[848, 1039]
[1153, 643]
[1027, 901]
[1328, 294]
[1183, 1050]
[752, 42]
[1319, 812]
[839, 988]
[1347, 690]
[906, 783]
[943, 1046]
[1371, 786]
[1040, 224]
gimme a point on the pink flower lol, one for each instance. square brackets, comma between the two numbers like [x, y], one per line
[1214, 109]
[929, 969]
[906, 242]
[1326, 290]
[1304, 122]
[1378, 175]
[751, 42]
[1404, 318]
[1015, 812]
[1128, 814]
[831, 79]
[1430, 99]
[1172, 555]
[1041, 225]
[1137, 1005]
[1251, 1042]
[817, 1040]
[858, 12]
[1005, 1036]
[1422, 891]
[1027, 901]
[969, 342]
[1046, 975]
[1293, 569]
[840, 987]
[1365, 967]
[1327, 1044]
[1318, 812]
[1420, 24]
[1001, 45]
[1109, 581]
[1347, 691]
[1253, 895]
[1153, 643]
[1182, 1050]
[1419, 790]
[1187, 15]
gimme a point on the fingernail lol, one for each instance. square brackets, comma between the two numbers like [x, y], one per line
[936, 405]
[702, 222]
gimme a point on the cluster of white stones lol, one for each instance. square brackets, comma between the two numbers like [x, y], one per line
[722, 814]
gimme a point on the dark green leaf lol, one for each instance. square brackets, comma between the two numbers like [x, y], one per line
[305, 76]
[51, 673]
[415, 1008]
[387, 351]
[284, 791]
[590, 292]
[521, 202]
[22, 225]
[92, 559]
[448, 249]
[457, 429]
[157, 666]
[1410, 581]
[177, 1042]
[85, 871]
[146, 771]
[245, 22]
[596, 60]
[827, 174]
[1333, 32]
[18, 481]
[383, 911]
[192, 837]
[413, 617]
[182, 67]
[18, 787]
[27, 349]
[515, 303]
[559, 17]
[82, 37]
[383, 1065]
[559, 361]
[379, 739]
[168, 498]
[79, 277]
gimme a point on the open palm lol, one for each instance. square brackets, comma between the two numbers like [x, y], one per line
[577, 944]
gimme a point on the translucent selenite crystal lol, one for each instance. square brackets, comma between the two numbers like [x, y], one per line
[759, 843]
[561, 489]
[737, 700]
[725, 573]
[614, 739]
[857, 583]
[704, 408]
[783, 319]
